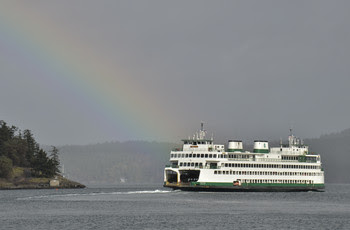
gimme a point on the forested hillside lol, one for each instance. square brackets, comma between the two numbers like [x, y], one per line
[19, 149]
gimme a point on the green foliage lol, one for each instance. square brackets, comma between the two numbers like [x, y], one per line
[17, 149]
[6, 134]
[5, 167]
[55, 161]
[32, 146]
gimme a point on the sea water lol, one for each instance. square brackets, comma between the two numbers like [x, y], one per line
[155, 207]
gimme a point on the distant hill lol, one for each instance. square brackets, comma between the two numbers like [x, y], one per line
[116, 162]
[143, 162]
[335, 152]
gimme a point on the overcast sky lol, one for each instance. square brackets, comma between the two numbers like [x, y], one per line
[248, 69]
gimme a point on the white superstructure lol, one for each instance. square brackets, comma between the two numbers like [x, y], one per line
[203, 165]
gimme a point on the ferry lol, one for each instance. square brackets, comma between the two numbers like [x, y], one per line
[202, 165]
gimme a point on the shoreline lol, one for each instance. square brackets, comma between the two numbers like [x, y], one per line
[40, 183]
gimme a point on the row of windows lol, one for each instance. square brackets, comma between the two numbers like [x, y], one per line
[245, 165]
[290, 158]
[195, 164]
[267, 173]
[197, 142]
[193, 155]
[206, 155]
[231, 156]
[279, 181]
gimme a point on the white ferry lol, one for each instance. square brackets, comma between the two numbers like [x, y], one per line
[204, 166]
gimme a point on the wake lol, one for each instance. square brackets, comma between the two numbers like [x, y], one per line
[157, 191]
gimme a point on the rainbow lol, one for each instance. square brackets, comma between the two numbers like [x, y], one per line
[64, 63]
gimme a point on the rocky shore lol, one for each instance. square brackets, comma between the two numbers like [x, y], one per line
[20, 181]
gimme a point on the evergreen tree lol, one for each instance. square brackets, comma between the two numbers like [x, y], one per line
[5, 167]
[40, 163]
[16, 149]
[6, 133]
[55, 160]
[32, 146]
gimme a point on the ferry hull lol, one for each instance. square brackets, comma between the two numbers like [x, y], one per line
[246, 188]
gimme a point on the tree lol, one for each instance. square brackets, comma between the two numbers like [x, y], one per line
[15, 149]
[6, 133]
[40, 164]
[32, 146]
[5, 167]
[55, 160]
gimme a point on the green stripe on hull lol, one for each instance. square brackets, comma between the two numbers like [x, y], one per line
[218, 184]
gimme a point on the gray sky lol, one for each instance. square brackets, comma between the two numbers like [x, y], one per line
[77, 72]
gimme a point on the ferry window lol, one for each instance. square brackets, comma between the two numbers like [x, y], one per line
[186, 155]
[210, 155]
[192, 164]
[219, 172]
[200, 165]
[194, 143]
[226, 165]
[190, 155]
[215, 172]
[182, 155]
[196, 164]
[206, 155]
[202, 155]
[230, 165]
[180, 163]
[215, 156]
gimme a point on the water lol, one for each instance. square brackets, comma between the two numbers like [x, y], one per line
[154, 207]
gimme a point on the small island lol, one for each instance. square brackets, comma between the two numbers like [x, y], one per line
[24, 165]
